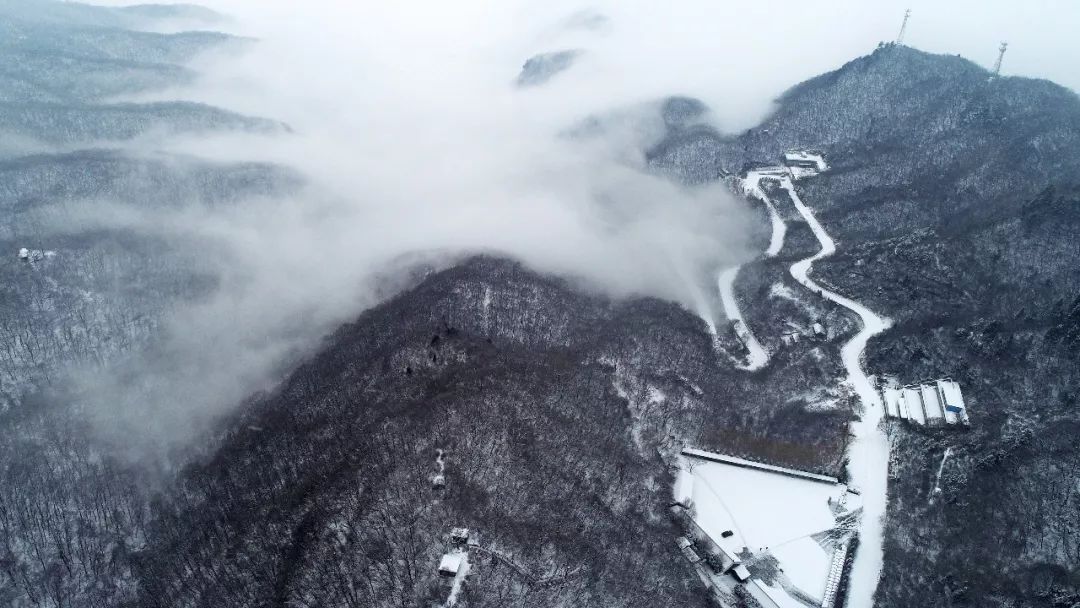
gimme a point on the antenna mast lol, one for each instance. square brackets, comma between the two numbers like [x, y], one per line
[903, 27]
[1001, 55]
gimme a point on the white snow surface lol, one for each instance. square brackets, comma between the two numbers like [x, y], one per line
[779, 290]
[779, 596]
[937, 478]
[752, 187]
[814, 564]
[765, 510]
[868, 454]
[758, 357]
[459, 579]
[934, 409]
[656, 395]
[913, 398]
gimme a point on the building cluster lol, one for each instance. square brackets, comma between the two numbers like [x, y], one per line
[930, 403]
[793, 334]
[456, 556]
[801, 163]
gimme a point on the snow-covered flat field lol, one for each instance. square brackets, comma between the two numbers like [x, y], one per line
[755, 513]
[764, 509]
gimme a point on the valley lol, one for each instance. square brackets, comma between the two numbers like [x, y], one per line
[203, 403]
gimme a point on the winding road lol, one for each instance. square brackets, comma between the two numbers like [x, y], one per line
[752, 187]
[757, 356]
[868, 454]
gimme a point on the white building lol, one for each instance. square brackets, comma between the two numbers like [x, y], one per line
[450, 564]
[805, 160]
[936, 402]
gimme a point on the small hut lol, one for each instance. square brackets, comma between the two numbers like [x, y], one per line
[459, 536]
[450, 564]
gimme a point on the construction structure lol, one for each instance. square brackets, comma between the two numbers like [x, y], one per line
[930, 403]
[1001, 56]
[687, 548]
[903, 27]
[459, 536]
[803, 163]
[804, 160]
[450, 564]
[791, 337]
[34, 255]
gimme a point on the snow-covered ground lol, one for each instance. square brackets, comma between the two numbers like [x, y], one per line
[868, 454]
[758, 357]
[759, 512]
[937, 478]
[814, 564]
[765, 512]
[462, 559]
[752, 188]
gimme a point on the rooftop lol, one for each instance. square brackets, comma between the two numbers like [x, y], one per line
[450, 563]
[750, 464]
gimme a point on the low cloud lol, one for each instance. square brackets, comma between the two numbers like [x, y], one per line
[417, 145]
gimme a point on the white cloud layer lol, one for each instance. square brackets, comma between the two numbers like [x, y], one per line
[416, 141]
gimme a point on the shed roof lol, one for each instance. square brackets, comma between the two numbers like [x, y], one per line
[450, 563]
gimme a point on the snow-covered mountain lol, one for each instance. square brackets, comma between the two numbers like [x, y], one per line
[543, 417]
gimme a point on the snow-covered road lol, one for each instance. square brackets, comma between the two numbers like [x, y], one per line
[868, 454]
[752, 187]
[757, 356]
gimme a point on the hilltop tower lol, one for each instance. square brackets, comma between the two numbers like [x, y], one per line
[1001, 55]
[903, 27]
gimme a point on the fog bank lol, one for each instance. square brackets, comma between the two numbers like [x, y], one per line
[417, 145]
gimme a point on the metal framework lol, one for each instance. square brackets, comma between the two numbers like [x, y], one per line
[903, 27]
[1001, 55]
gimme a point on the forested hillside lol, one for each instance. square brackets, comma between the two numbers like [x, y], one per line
[551, 414]
[91, 290]
[952, 197]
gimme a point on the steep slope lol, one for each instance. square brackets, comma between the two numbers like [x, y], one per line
[952, 198]
[92, 289]
[557, 413]
[554, 454]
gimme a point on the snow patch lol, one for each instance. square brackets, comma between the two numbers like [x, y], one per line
[779, 290]
[459, 578]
